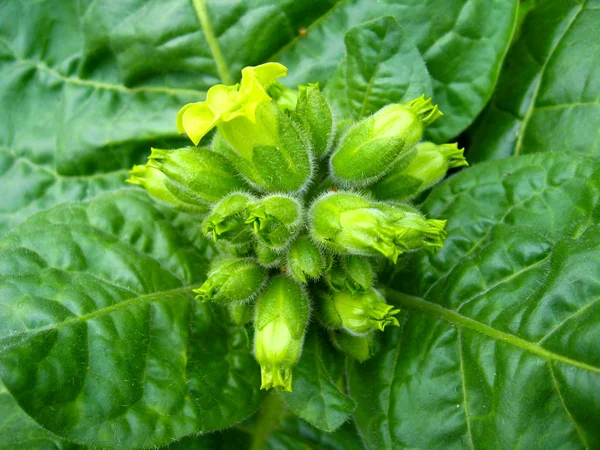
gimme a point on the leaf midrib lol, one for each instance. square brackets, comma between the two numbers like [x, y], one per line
[450, 316]
[107, 310]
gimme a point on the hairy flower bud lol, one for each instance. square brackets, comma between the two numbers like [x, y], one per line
[204, 172]
[349, 223]
[226, 221]
[281, 319]
[314, 112]
[275, 220]
[267, 256]
[369, 149]
[264, 144]
[240, 313]
[352, 272]
[304, 260]
[423, 168]
[232, 280]
[358, 347]
[162, 187]
[357, 313]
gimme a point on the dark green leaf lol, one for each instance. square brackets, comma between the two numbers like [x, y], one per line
[20, 432]
[462, 41]
[548, 95]
[382, 66]
[295, 434]
[501, 349]
[101, 341]
[315, 394]
[86, 89]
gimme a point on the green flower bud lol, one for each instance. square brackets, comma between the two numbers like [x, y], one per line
[369, 149]
[232, 280]
[417, 231]
[226, 221]
[304, 260]
[360, 348]
[268, 149]
[204, 172]
[285, 98]
[349, 223]
[315, 113]
[281, 318]
[162, 187]
[426, 166]
[275, 220]
[353, 273]
[357, 313]
[266, 255]
[240, 313]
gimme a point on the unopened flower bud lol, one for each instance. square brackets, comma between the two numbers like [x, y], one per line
[352, 272]
[415, 230]
[370, 148]
[266, 255]
[275, 220]
[281, 319]
[232, 280]
[240, 312]
[315, 113]
[357, 313]
[304, 260]
[360, 348]
[424, 167]
[226, 221]
[204, 172]
[268, 149]
[162, 187]
[349, 223]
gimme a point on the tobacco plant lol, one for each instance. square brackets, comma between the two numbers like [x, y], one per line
[251, 224]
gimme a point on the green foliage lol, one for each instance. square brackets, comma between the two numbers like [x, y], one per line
[547, 98]
[102, 344]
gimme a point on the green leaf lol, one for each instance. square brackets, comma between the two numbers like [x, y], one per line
[101, 341]
[219, 440]
[295, 434]
[20, 432]
[547, 97]
[462, 41]
[500, 348]
[382, 66]
[85, 91]
[315, 394]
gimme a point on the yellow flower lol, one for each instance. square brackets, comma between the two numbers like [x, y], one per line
[225, 103]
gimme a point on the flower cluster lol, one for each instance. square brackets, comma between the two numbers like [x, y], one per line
[305, 211]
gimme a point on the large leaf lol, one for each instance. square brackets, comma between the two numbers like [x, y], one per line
[548, 96]
[382, 66]
[500, 348]
[316, 396]
[87, 87]
[101, 341]
[20, 432]
[462, 41]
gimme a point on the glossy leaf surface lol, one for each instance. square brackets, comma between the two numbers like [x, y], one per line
[500, 348]
[548, 96]
[462, 41]
[382, 66]
[101, 341]
[87, 89]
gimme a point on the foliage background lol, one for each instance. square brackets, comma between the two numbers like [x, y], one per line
[100, 342]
